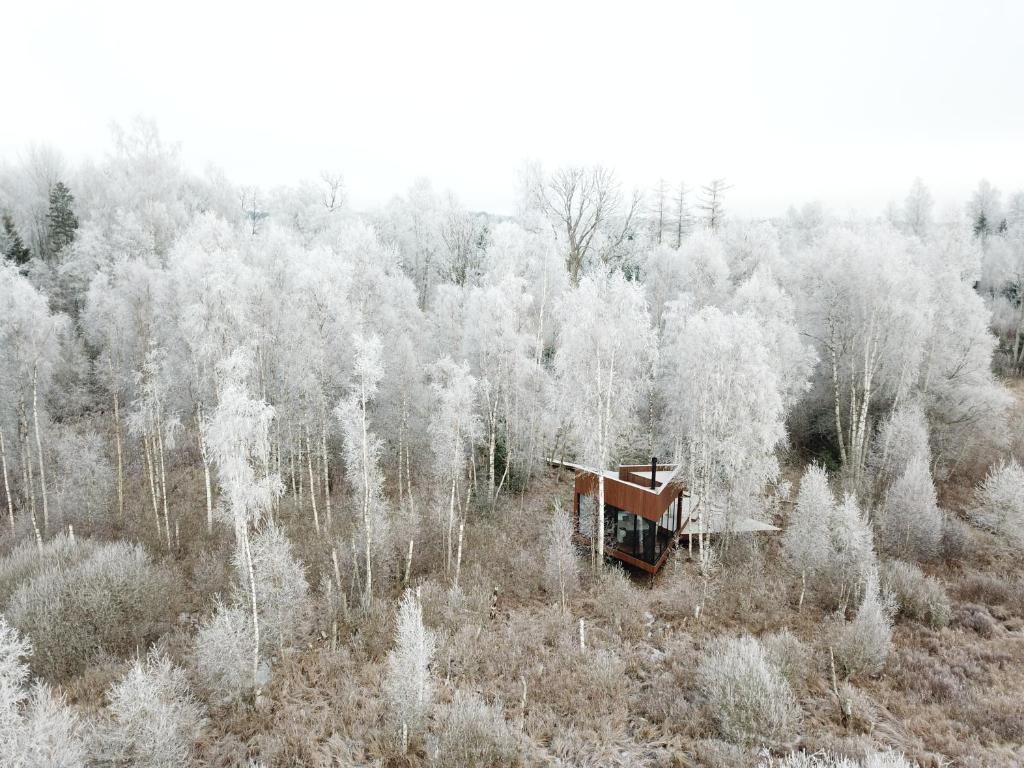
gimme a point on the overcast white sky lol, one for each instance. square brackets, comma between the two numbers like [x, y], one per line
[842, 102]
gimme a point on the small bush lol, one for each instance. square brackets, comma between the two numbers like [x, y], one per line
[223, 654]
[863, 644]
[747, 693]
[999, 502]
[48, 733]
[976, 618]
[792, 657]
[474, 734]
[155, 719]
[917, 596]
[111, 601]
[27, 559]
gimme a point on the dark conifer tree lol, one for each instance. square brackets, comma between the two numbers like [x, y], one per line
[14, 246]
[61, 218]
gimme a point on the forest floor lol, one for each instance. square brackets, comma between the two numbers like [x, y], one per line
[949, 696]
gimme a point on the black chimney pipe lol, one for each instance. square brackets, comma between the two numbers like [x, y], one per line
[654, 472]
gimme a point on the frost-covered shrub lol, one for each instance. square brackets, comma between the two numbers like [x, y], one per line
[747, 694]
[36, 726]
[917, 596]
[48, 733]
[111, 601]
[910, 522]
[408, 683]
[154, 718]
[792, 658]
[830, 760]
[281, 589]
[27, 559]
[223, 653]
[999, 501]
[474, 734]
[863, 644]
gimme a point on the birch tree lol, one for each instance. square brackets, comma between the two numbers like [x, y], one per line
[454, 429]
[724, 407]
[29, 349]
[363, 449]
[238, 434]
[861, 302]
[408, 681]
[605, 349]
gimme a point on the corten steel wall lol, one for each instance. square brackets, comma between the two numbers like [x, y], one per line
[629, 497]
[632, 494]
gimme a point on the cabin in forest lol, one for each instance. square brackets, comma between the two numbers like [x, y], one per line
[646, 511]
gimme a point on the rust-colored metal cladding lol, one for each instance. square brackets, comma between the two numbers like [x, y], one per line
[643, 512]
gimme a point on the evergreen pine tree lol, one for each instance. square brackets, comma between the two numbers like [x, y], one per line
[61, 218]
[14, 246]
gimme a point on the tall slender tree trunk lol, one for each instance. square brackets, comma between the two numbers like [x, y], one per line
[148, 451]
[312, 482]
[327, 474]
[163, 478]
[247, 551]
[7, 483]
[39, 455]
[120, 457]
[206, 468]
[451, 528]
[367, 524]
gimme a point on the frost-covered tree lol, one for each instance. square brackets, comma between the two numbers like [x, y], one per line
[603, 356]
[828, 543]
[408, 682]
[36, 725]
[806, 540]
[454, 429]
[561, 567]
[154, 718]
[121, 319]
[860, 299]
[863, 644]
[363, 449]
[762, 298]
[499, 346]
[238, 435]
[84, 477]
[586, 211]
[999, 501]
[282, 593]
[901, 437]
[909, 521]
[724, 408]
[917, 209]
[29, 352]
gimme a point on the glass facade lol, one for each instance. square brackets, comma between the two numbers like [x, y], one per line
[634, 535]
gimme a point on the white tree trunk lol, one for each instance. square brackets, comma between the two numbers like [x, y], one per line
[327, 474]
[7, 484]
[120, 457]
[39, 456]
[312, 482]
